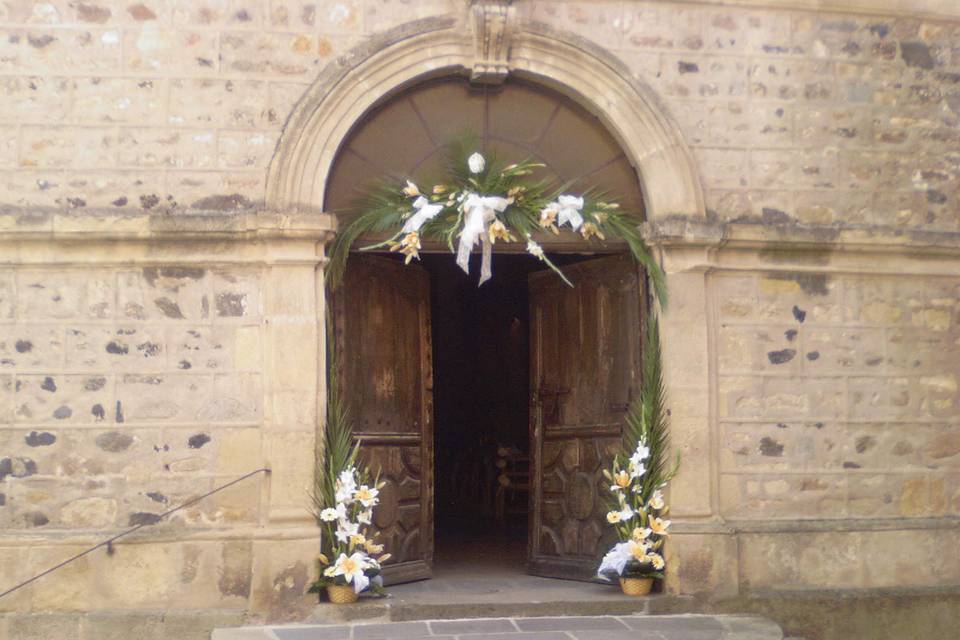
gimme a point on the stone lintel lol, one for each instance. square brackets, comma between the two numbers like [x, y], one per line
[94, 226]
[680, 232]
[160, 533]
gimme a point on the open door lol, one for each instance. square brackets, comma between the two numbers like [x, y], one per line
[382, 334]
[584, 369]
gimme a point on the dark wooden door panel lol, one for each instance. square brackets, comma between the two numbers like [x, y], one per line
[584, 369]
[382, 333]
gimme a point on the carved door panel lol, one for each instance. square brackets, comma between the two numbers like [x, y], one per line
[382, 333]
[584, 369]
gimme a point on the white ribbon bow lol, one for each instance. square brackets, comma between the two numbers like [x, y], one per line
[423, 211]
[479, 211]
[568, 210]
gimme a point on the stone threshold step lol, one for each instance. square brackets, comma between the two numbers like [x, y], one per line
[642, 627]
[440, 608]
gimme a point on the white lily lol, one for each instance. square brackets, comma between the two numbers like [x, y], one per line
[347, 529]
[656, 500]
[365, 517]
[352, 568]
[367, 496]
[625, 514]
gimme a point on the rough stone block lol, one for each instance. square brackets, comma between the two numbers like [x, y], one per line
[701, 563]
[43, 626]
[129, 100]
[702, 76]
[164, 49]
[70, 589]
[163, 398]
[119, 348]
[209, 102]
[185, 148]
[168, 293]
[682, 28]
[284, 54]
[62, 147]
[45, 51]
[122, 626]
[66, 399]
[236, 294]
[735, 31]
[730, 168]
[60, 295]
[29, 347]
[246, 149]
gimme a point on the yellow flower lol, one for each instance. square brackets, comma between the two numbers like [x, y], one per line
[323, 559]
[371, 547]
[590, 229]
[439, 188]
[385, 557]
[411, 190]
[613, 517]
[548, 219]
[659, 526]
[498, 230]
[357, 539]
[408, 246]
[329, 571]
[600, 216]
[621, 480]
[656, 560]
[638, 550]
[656, 500]
[515, 191]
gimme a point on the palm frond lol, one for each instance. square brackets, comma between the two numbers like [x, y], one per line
[647, 417]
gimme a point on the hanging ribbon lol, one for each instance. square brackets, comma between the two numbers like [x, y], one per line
[479, 211]
[568, 210]
[423, 211]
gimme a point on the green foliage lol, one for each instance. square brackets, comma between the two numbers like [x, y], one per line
[388, 206]
[647, 417]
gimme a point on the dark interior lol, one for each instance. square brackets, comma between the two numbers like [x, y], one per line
[481, 396]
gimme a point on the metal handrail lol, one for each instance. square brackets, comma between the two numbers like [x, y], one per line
[109, 542]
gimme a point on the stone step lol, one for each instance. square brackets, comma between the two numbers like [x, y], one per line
[404, 610]
[634, 627]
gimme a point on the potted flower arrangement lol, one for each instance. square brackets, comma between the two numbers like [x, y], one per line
[344, 497]
[637, 478]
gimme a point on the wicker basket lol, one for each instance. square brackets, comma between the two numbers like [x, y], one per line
[636, 586]
[341, 594]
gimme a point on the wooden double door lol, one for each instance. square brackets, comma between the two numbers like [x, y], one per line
[584, 369]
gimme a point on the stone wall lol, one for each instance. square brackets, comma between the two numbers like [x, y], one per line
[138, 375]
[160, 330]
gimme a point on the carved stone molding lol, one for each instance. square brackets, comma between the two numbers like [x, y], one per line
[603, 84]
[493, 25]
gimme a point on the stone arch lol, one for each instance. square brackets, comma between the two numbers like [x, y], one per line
[347, 89]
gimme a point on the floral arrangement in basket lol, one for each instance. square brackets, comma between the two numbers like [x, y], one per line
[482, 203]
[638, 476]
[344, 497]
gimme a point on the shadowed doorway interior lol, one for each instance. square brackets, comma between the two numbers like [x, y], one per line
[481, 397]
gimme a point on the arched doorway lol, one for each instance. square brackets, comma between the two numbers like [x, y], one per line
[507, 400]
